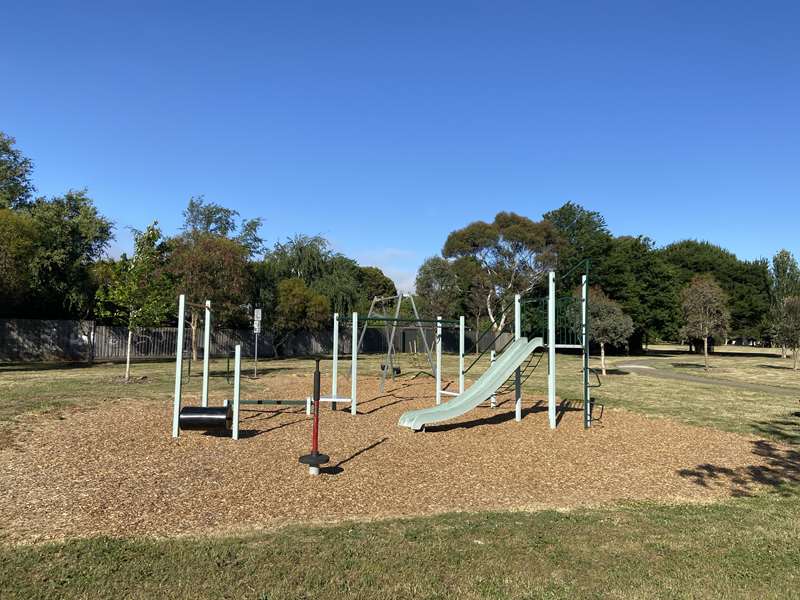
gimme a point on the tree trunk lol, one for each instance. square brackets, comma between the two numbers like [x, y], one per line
[603, 358]
[128, 356]
[193, 323]
[794, 355]
[705, 351]
[783, 351]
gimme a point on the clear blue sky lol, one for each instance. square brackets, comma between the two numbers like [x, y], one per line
[383, 126]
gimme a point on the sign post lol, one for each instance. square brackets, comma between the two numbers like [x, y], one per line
[256, 331]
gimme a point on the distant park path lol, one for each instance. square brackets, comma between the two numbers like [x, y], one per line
[644, 367]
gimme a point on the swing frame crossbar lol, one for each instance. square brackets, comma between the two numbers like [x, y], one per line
[452, 322]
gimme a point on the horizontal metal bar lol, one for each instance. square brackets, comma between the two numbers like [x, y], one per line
[578, 346]
[335, 400]
[450, 393]
[289, 402]
[409, 320]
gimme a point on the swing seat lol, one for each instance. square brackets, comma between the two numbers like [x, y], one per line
[395, 369]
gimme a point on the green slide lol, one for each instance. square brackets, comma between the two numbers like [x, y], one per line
[480, 391]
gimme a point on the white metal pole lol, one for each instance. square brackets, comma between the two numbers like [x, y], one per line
[206, 354]
[237, 363]
[461, 344]
[551, 350]
[354, 365]
[255, 358]
[517, 372]
[587, 406]
[176, 403]
[491, 364]
[335, 380]
[438, 360]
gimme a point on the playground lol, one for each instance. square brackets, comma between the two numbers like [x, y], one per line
[112, 469]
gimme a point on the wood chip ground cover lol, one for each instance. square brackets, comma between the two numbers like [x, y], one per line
[116, 471]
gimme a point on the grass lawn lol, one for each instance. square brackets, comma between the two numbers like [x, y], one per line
[745, 548]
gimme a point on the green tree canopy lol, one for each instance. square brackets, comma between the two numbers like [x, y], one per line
[16, 188]
[74, 236]
[513, 252]
[438, 289]
[584, 235]
[19, 238]
[201, 217]
[298, 308]
[644, 284]
[746, 283]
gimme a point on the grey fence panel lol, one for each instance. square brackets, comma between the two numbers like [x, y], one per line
[35, 340]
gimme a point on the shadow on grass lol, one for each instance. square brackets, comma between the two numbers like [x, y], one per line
[48, 366]
[696, 366]
[779, 469]
[788, 367]
[784, 429]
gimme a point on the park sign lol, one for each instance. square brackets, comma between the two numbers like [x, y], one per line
[257, 320]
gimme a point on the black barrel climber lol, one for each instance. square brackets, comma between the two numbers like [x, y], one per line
[206, 418]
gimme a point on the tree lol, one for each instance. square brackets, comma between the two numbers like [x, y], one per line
[438, 288]
[784, 283]
[74, 236]
[608, 323]
[705, 310]
[210, 261]
[201, 217]
[789, 329]
[513, 252]
[584, 235]
[473, 286]
[373, 282]
[644, 284]
[339, 283]
[302, 256]
[210, 267]
[19, 237]
[16, 188]
[138, 291]
[745, 283]
[298, 309]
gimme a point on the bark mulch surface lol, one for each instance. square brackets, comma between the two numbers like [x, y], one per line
[116, 471]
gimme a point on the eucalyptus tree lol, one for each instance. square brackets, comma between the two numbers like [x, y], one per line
[513, 252]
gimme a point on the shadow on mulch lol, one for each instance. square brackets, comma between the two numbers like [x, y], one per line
[615, 372]
[782, 469]
[393, 396]
[689, 366]
[508, 415]
[337, 468]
